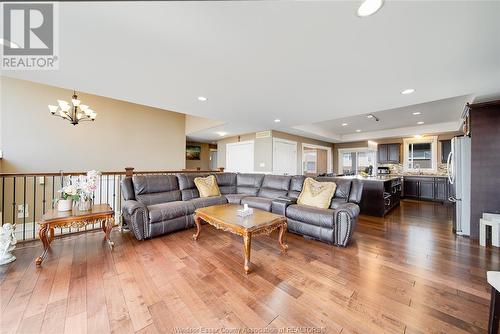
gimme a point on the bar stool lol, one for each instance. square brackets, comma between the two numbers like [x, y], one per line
[493, 278]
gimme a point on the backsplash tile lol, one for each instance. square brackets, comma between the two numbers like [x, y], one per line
[398, 169]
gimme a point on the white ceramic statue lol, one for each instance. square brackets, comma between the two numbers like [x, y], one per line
[8, 242]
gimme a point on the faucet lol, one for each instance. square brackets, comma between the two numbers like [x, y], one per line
[417, 167]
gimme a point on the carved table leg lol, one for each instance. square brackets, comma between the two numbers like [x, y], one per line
[51, 234]
[197, 221]
[107, 226]
[247, 242]
[42, 233]
[283, 246]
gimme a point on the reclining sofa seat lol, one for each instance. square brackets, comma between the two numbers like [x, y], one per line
[160, 204]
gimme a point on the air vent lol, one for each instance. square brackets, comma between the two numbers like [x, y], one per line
[263, 134]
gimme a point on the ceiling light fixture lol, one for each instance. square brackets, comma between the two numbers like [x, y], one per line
[277, 120]
[358, 130]
[408, 91]
[416, 113]
[345, 124]
[369, 7]
[74, 113]
[420, 123]
[371, 116]
[221, 133]
[202, 98]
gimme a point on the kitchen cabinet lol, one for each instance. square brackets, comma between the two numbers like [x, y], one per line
[389, 153]
[445, 150]
[426, 188]
[380, 195]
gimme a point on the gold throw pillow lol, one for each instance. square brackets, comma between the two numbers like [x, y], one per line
[317, 194]
[207, 186]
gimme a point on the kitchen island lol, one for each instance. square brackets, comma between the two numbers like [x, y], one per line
[380, 194]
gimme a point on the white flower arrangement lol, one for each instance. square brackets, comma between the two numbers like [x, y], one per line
[82, 187]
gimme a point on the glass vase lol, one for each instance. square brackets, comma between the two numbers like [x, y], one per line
[84, 204]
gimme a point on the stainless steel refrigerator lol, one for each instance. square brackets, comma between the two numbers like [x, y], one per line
[459, 171]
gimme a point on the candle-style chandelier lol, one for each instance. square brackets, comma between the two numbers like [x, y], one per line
[74, 112]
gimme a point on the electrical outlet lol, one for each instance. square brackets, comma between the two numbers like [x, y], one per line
[22, 211]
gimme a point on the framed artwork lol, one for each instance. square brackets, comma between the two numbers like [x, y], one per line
[193, 152]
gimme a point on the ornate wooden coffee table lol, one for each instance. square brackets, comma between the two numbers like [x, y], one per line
[225, 217]
[101, 213]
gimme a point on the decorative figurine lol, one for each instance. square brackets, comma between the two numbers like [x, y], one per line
[8, 242]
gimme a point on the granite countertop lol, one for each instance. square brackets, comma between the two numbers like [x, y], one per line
[388, 177]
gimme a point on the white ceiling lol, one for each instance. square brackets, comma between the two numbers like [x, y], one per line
[303, 62]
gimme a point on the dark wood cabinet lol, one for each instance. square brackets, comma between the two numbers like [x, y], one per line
[389, 153]
[445, 150]
[410, 188]
[441, 189]
[426, 188]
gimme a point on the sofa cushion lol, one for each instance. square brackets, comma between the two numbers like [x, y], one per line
[311, 215]
[226, 182]
[154, 189]
[235, 198]
[258, 202]
[187, 186]
[296, 184]
[166, 211]
[203, 202]
[274, 186]
[337, 202]
[128, 189]
[249, 183]
[207, 186]
[318, 194]
[343, 186]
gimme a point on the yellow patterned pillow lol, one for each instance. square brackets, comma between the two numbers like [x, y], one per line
[317, 194]
[207, 186]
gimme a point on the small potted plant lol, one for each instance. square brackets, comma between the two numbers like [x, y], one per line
[68, 194]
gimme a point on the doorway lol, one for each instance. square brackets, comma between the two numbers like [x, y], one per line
[284, 157]
[316, 160]
[213, 159]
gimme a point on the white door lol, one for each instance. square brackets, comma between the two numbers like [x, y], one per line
[240, 157]
[284, 157]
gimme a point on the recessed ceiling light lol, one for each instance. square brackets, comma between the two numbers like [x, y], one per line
[221, 133]
[345, 124]
[420, 123]
[369, 7]
[202, 98]
[418, 136]
[408, 91]
[277, 120]
[416, 113]
[358, 130]
[369, 116]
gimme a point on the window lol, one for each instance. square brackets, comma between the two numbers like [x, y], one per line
[420, 154]
[354, 161]
[310, 158]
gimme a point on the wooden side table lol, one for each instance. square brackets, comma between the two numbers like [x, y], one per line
[101, 213]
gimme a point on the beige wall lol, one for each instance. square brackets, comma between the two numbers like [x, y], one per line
[124, 134]
[263, 148]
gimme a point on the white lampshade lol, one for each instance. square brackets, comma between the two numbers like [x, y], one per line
[53, 109]
[83, 107]
[62, 103]
[93, 116]
[65, 107]
[75, 102]
[88, 112]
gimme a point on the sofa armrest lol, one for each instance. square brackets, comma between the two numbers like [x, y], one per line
[346, 218]
[135, 214]
[280, 204]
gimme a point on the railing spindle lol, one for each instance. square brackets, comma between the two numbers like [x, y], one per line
[34, 206]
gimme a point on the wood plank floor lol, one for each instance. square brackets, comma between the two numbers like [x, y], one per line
[406, 273]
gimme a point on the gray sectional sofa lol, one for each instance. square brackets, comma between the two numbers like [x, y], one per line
[159, 204]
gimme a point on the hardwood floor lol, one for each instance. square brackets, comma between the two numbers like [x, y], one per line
[406, 273]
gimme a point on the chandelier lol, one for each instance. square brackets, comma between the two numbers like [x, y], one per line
[74, 113]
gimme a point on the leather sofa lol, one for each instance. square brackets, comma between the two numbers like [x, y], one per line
[160, 204]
